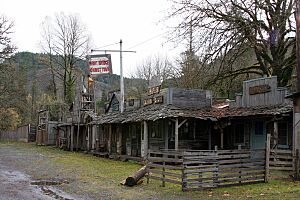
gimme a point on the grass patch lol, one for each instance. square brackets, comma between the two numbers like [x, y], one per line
[99, 178]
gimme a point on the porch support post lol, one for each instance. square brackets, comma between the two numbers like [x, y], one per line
[72, 138]
[88, 138]
[166, 134]
[145, 139]
[109, 139]
[275, 133]
[119, 143]
[222, 138]
[209, 136]
[176, 133]
[94, 133]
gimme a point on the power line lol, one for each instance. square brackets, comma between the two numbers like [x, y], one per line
[108, 45]
[147, 40]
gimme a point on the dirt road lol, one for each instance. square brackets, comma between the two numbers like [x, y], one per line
[32, 172]
[16, 184]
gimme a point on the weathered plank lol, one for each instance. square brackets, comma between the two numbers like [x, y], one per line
[165, 179]
[164, 166]
[155, 171]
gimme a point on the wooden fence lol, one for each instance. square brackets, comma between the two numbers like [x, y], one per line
[25, 133]
[282, 160]
[196, 170]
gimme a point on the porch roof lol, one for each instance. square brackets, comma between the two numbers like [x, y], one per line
[250, 111]
[150, 113]
[155, 112]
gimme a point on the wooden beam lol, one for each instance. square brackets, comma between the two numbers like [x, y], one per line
[267, 157]
[109, 139]
[72, 138]
[182, 123]
[94, 133]
[222, 138]
[88, 137]
[176, 134]
[145, 139]
[166, 133]
[209, 136]
[119, 143]
[275, 133]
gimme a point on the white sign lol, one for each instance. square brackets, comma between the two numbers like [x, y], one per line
[100, 65]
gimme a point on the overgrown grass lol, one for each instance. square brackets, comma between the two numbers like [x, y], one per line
[100, 178]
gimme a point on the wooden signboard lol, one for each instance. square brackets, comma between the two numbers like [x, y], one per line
[155, 100]
[159, 99]
[148, 101]
[154, 90]
[259, 89]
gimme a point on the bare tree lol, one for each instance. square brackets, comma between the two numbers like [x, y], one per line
[152, 71]
[225, 30]
[6, 46]
[65, 41]
[156, 67]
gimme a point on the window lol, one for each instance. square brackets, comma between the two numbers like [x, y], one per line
[259, 128]
[282, 133]
[131, 102]
[239, 136]
[155, 129]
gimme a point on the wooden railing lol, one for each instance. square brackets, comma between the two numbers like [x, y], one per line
[282, 160]
[196, 170]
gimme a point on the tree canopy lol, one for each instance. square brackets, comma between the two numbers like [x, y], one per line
[226, 30]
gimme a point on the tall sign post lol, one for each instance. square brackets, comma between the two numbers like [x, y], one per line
[121, 72]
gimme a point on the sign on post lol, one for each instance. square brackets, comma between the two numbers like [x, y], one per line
[100, 64]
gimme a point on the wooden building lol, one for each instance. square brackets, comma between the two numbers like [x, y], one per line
[174, 118]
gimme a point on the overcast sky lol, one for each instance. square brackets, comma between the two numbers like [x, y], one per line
[108, 21]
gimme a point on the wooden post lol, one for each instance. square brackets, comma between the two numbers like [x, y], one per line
[209, 136]
[275, 133]
[163, 175]
[109, 139]
[94, 133]
[297, 163]
[119, 143]
[176, 134]
[183, 175]
[145, 139]
[88, 138]
[166, 134]
[267, 172]
[222, 138]
[72, 138]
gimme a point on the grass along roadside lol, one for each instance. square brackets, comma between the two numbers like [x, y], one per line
[99, 178]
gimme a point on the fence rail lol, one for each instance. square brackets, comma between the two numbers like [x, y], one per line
[282, 160]
[196, 170]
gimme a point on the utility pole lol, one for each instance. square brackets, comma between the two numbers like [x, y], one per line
[121, 81]
[297, 17]
[121, 72]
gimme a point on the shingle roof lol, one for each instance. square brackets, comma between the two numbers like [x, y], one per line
[155, 112]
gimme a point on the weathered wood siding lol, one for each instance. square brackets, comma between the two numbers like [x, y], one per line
[25, 133]
[189, 98]
[274, 96]
[183, 98]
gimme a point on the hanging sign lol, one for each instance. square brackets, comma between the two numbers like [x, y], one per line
[100, 64]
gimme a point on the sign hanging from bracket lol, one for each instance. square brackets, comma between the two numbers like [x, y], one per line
[100, 64]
